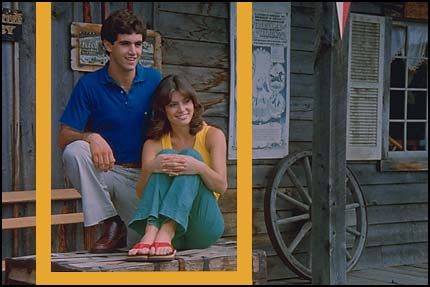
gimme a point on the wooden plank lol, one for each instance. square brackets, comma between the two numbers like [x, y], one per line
[192, 27]
[397, 233]
[368, 173]
[203, 79]
[303, 17]
[23, 275]
[390, 277]
[215, 104]
[20, 222]
[30, 196]
[404, 254]
[300, 86]
[404, 165]
[302, 62]
[409, 270]
[422, 265]
[397, 213]
[30, 221]
[301, 108]
[195, 53]
[357, 281]
[68, 218]
[395, 193]
[303, 39]
[214, 9]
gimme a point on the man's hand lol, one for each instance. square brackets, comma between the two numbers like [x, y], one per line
[101, 152]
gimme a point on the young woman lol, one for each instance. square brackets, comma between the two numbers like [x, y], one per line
[183, 174]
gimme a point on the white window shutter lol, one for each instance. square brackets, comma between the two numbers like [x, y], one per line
[365, 87]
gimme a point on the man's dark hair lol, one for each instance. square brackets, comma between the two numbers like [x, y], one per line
[122, 22]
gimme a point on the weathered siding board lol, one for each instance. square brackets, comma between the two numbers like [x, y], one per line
[395, 193]
[213, 9]
[302, 16]
[197, 54]
[368, 173]
[192, 27]
[302, 62]
[303, 39]
[302, 85]
[7, 114]
[26, 125]
[203, 79]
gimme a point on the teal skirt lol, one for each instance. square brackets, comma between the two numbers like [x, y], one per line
[184, 199]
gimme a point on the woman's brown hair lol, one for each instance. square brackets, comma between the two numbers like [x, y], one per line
[160, 125]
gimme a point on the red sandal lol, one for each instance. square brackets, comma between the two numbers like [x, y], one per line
[165, 257]
[139, 257]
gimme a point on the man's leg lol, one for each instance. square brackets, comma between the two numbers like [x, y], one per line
[95, 187]
[125, 198]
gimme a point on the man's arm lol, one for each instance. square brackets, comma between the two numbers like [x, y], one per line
[101, 152]
[68, 135]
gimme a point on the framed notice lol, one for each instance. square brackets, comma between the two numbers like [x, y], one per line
[270, 80]
[88, 53]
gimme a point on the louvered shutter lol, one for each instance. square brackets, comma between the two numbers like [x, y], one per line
[365, 87]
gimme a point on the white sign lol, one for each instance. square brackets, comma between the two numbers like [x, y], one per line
[270, 80]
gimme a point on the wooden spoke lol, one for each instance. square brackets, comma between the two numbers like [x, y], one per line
[292, 219]
[299, 186]
[348, 255]
[353, 231]
[352, 206]
[297, 203]
[308, 174]
[305, 228]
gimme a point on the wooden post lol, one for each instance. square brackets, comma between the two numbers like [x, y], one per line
[87, 12]
[329, 153]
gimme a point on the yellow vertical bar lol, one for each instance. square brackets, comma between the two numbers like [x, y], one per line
[43, 141]
[244, 134]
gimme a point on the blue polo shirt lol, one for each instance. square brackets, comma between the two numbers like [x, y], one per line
[98, 104]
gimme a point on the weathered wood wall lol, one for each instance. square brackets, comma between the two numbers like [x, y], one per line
[196, 44]
[23, 175]
[397, 201]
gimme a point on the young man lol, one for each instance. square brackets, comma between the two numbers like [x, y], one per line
[103, 129]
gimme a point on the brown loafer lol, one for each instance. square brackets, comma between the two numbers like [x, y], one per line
[114, 236]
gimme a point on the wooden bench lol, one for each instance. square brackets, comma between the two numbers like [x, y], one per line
[15, 197]
[222, 256]
[19, 197]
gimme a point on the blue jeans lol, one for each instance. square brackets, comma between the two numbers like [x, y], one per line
[184, 199]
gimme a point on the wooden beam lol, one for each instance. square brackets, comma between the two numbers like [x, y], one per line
[30, 195]
[30, 221]
[87, 12]
[105, 10]
[329, 152]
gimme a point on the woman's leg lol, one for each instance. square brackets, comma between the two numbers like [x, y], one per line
[195, 210]
[180, 207]
[149, 207]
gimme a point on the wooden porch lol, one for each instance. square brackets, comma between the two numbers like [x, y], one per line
[222, 256]
[415, 274]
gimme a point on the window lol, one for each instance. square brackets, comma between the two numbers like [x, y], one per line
[408, 116]
[388, 92]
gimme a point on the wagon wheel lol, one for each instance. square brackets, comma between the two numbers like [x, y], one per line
[287, 214]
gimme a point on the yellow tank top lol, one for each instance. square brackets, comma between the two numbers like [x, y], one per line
[199, 145]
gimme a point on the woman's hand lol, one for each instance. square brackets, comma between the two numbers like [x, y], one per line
[176, 164]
